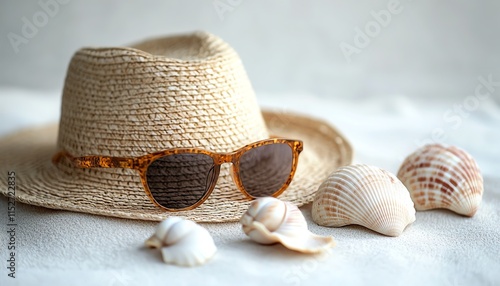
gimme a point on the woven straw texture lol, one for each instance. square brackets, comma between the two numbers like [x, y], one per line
[180, 91]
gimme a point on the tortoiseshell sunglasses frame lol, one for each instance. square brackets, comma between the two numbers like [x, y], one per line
[142, 163]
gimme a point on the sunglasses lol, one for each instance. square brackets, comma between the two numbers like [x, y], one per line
[182, 179]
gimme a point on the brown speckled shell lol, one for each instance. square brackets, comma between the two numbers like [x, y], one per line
[443, 177]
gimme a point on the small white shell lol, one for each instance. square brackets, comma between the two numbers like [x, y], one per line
[364, 195]
[182, 242]
[269, 220]
[443, 177]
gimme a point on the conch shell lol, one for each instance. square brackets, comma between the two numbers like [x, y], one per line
[364, 195]
[269, 220]
[443, 177]
[182, 242]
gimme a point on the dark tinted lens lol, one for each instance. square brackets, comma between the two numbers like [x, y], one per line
[265, 169]
[181, 180]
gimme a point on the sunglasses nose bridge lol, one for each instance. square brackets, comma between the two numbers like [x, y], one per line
[223, 158]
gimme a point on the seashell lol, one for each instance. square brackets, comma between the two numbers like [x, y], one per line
[182, 242]
[443, 177]
[269, 220]
[364, 195]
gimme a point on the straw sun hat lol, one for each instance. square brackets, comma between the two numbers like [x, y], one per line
[187, 91]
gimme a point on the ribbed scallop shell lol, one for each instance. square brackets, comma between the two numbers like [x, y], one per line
[443, 177]
[364, 195]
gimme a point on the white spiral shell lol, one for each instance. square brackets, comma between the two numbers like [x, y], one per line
[443, 177]
[364, 195]
[182, 242]
[269, 220]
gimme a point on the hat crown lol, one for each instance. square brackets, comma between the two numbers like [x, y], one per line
[180, 91]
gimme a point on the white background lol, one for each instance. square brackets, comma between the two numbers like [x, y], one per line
[415, 82]
[428, 49]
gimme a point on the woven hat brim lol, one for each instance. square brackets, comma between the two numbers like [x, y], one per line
[38, 182]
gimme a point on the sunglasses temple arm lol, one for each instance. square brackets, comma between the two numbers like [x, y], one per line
[96, 161]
